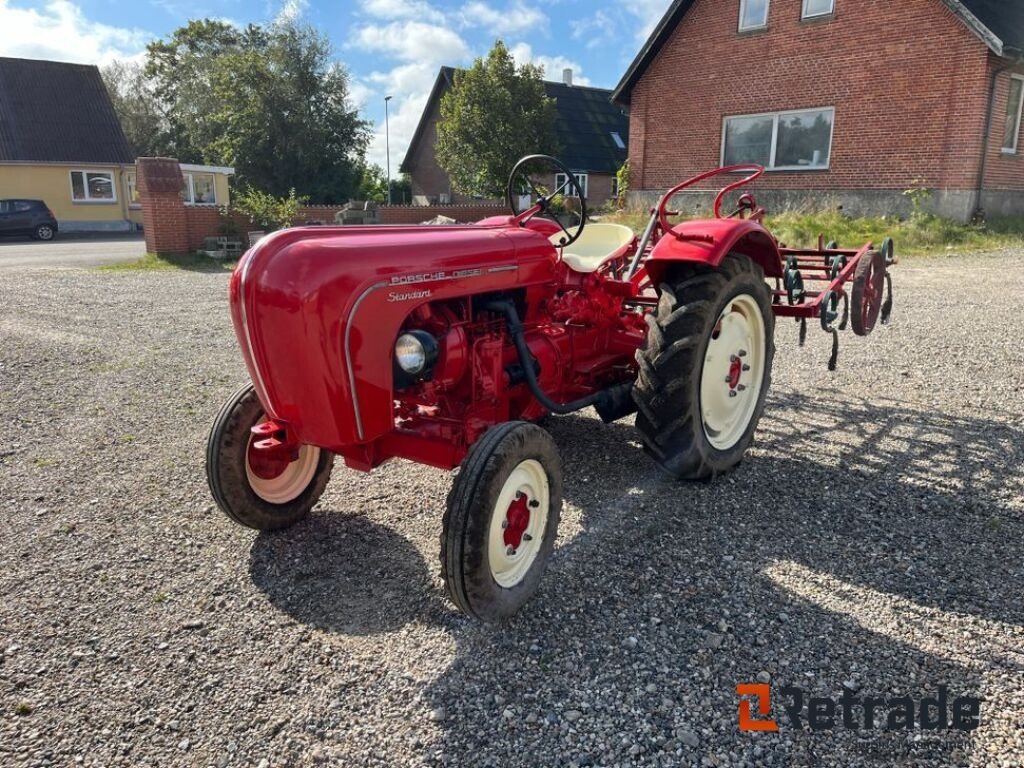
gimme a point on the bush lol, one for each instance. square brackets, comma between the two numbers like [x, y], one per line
[267, 212]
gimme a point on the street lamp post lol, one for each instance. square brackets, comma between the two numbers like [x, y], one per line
[387, 144]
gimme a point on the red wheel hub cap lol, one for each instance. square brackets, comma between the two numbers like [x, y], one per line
[518, 519]
[267, 464]
[735, 370]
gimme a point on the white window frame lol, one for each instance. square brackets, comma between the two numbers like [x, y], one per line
[1020, 110]
[87, 200]
[753, 27]
[821, 14]
[776, 116]
[191, 184]
[582, 178]
[128, 189]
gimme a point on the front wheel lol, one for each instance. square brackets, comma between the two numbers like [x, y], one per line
[256, 489]
[44, 232]
[501, 522]
[706, 368]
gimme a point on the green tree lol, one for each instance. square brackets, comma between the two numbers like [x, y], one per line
[270, 101]
[494, 114]
[143, 121]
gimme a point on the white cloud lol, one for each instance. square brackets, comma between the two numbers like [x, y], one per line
[291, 11]
[649, 12]
[402, 9]
[599, 28]
[552, 65]
[413, 41]
[515, 19]
[60, 31]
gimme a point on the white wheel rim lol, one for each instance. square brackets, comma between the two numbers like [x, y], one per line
[512, 547]
[733, 372]
[291, 482]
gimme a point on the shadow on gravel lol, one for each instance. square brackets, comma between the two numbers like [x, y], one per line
[343, 573]
[854, 547]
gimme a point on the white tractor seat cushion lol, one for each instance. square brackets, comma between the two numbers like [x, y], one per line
[597, 244]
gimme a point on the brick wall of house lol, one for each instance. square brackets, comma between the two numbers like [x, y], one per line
[428, 177]
[908, 81]
[1003, 171]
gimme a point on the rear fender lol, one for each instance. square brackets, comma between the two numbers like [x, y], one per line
[709, 241]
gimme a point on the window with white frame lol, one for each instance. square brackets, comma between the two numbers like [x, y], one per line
[131, 189]
[780, 141]
[561, 180]
[198, 189]
[93, 187]
[1014, 104]
[753, 14]
[813, 8]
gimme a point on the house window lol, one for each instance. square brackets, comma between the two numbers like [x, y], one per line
[562, 181]
[92, 187]
[780, 141]
[753, 14]
[1014, 102]
[618, 140]
[198, 189]
[813, 8]
[131, 189]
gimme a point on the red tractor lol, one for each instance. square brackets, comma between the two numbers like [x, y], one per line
[445, 346]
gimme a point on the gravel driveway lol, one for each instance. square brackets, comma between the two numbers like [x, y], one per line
[70, 251]
[874, 538]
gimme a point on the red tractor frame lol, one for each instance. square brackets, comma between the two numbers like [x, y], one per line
[445, 346]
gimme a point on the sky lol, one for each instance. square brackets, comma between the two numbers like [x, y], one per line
[389, 47]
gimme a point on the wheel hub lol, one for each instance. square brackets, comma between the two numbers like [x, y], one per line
[518, 523]
[517, 520]
[733, 372]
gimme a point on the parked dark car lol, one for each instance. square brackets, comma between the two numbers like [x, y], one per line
[27, 217]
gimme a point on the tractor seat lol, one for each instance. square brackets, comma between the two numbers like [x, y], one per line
[597, 244]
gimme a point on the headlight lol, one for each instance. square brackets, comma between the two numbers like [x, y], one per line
[411, 354]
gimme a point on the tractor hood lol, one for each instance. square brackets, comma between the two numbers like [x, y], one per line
[317, 310]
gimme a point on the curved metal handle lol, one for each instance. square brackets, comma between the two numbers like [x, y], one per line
[755, 172]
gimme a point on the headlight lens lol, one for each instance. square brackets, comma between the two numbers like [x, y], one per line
[410, 354]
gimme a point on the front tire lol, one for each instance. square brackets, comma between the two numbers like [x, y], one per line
[501, 521]
[252, 489]
[706, 368]
[44, 232]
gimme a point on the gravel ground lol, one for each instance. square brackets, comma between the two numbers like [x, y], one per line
[874, 538]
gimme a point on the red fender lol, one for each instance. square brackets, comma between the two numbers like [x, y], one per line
[709, 241]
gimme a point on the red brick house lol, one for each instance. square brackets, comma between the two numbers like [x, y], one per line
[593, 133]
[845, 101]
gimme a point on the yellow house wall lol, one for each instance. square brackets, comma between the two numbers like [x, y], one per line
[52, 184]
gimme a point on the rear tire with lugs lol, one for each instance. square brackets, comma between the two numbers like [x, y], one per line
[706, 367]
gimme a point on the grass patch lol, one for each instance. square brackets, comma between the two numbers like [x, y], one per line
[192, 262]
[23, 708]
[920, 235]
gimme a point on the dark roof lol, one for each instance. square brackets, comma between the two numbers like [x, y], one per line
[1003, 18]
[56, 112]
[999, 24]
[585, 121]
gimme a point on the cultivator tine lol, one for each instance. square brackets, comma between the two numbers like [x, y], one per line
[803, 330]
[887, 306]
[833, 361]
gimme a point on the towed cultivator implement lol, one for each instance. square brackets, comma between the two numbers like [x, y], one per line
[444, 345]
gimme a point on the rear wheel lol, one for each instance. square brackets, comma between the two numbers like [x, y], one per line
[260, 489]
[706, 368]
[44, 232]
[501, 522]
[867, 292]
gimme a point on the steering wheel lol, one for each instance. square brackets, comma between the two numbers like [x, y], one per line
[543, 204]
[751, 168]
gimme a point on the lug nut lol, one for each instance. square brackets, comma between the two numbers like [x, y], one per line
[741, 387]
[527, 537]
[746, 367]
[733, 358]
[743, 353]
[732, 393]
[534, 503]
[504, 524]
[510, 550]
